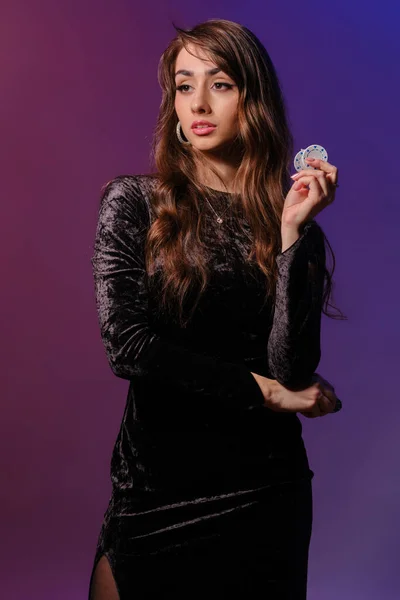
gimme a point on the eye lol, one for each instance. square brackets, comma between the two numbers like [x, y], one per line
[180, 87]
[186, 85]
[227, 85]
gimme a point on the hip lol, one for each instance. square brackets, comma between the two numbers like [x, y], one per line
[226, 544]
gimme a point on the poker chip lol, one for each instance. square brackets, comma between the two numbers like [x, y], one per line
[313, 151]
[298, 161]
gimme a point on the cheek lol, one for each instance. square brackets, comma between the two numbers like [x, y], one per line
[231, 117]
[177, 103]
[229, 110]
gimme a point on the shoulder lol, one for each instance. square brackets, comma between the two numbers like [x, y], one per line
[128, 193]
[130, 186]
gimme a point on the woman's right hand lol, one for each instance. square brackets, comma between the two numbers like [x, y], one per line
[317, 400]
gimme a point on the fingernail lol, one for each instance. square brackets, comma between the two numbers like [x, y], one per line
[310, 159]
[295, 175]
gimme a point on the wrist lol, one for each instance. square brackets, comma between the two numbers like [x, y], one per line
[268, 388]
[289, 236]
[291, 222]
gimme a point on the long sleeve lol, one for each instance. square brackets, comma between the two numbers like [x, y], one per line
[294, 343]
[133, 349]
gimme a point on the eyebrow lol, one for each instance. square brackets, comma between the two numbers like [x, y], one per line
[190, 73]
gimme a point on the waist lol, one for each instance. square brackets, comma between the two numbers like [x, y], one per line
[157, 466]
[175, 455]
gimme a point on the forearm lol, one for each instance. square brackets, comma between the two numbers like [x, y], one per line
[289, 236]
[294, 341]
[270, 388]
[267, 386]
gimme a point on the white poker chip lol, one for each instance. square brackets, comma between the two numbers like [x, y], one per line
[315, 151]
[298, 161]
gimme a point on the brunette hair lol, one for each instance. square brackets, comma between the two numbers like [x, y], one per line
[262, 179]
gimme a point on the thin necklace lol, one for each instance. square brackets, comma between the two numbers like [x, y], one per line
[218, 219]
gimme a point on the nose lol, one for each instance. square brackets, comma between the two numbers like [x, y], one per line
[200, 103]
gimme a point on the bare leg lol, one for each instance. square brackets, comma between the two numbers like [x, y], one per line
[103, 584]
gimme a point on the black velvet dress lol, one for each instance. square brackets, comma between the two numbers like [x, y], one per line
[211, 490]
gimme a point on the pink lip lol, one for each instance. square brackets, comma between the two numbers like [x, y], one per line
[203, 130]
[195, 123]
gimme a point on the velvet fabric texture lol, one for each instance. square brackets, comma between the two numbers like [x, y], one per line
[200, 461]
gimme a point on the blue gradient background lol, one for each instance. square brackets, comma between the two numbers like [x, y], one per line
[79, 98]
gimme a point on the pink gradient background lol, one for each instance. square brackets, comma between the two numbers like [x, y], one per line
[79, 98]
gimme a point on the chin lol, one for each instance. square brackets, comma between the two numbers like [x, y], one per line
[209, 144]
[218, 148]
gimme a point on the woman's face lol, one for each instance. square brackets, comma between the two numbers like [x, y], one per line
[202, 96]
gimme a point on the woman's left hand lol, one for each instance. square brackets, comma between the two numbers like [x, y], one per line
[303, 203]
[327, 404]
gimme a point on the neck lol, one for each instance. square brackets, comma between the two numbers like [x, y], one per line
[225, 162]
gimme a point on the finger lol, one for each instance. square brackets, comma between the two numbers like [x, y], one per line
[308, 172]
[330, 396]
[320, 175]
[317, 185]
[316, 409]
[327, 385]
[330, 177]
[325, 405]
[317, 378]
[327, 390]
[324, 166]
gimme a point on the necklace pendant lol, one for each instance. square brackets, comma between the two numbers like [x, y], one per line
[219, 220]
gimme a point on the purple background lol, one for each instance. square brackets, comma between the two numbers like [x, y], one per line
[79, 98]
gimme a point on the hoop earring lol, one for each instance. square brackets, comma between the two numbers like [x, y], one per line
[179, 134]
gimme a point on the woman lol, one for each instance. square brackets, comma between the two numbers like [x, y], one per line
[209, 282]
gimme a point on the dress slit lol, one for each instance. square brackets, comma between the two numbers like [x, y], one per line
[103, 584]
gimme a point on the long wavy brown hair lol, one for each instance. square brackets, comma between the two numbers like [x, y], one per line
[262, 179]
